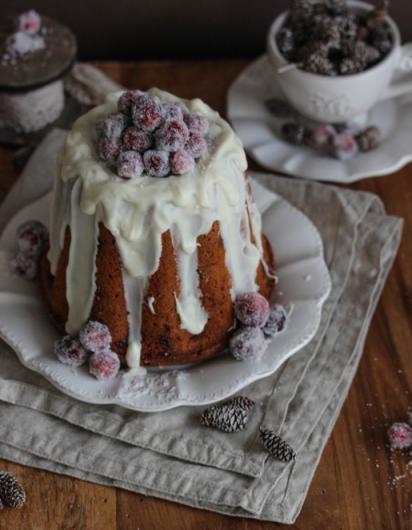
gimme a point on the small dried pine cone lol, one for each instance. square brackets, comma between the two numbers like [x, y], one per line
[12, 492]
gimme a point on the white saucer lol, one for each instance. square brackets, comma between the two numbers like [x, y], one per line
[304, 284]
[259, 131]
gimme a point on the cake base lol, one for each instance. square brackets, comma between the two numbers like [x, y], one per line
[164, 342]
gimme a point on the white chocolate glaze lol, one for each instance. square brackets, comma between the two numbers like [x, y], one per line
[81, 268]
[192, 316]
[138, 211]
[150, 302]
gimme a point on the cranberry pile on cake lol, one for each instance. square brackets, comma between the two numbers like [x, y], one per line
[151, 135]
[153, 234]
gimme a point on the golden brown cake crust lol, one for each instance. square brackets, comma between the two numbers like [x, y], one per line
[164, 343]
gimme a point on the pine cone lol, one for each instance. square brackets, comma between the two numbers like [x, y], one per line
[318, 48]
[376, 18]
[241, 401]
[368, 139]
[294, 133]
[301, 8]
[226, 418]
[337, 7]
[317, 64]
[351, 66]
[12, 493]
[276, 446]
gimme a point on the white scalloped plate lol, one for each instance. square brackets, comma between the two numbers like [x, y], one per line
[259, 131]
[304, 284]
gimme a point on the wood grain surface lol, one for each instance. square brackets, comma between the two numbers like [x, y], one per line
[359, 484]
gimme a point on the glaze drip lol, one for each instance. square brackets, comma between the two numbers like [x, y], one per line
[134, 289]
[192, 315]
[81, 269]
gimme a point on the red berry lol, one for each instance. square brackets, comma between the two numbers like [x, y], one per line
[69, 351]
[135, 140]
[181, 162]
[108, 150]
[29, 22]
[344, 146]
[322, 136]
[95, 336]
[173, 111]
[104, 365]
[129, 164]
[276, 321]
[23, 266]
[247, 344]
[400, 435]
[196, 123]
[127, 100]
[32, 238]
[147, 113]
[156, 163]
[171, 136]
[196, 145]
[252, 309]
[114, 125]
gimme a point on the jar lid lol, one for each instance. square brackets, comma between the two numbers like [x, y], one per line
[39, 67]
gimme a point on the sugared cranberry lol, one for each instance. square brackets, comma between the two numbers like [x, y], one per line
[95, 336]
[32, 238]
[23, 266]
[129, 164]
[127, 100]
[135, 140]
[114, 125]
[247, 344]
[181, 162]
[400, 435]
[252, 309]
[108, 150]
[173, 111]
[104, 365]
[147, 113]
[156, 163]
[20, 43]
[276, 321]
[196, 145]
[322, 137]
[344, 146]
[196, 123]
[171, 136]
[70, 351]
[29, 22]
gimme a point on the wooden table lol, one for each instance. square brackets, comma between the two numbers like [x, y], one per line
[356, 485]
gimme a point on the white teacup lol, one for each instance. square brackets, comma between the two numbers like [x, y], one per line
[342, 98]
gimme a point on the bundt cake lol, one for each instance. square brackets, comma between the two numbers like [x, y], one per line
[151, 234]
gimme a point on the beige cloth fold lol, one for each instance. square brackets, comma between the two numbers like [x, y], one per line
[168, 454]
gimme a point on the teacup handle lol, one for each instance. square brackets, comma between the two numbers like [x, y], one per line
[403, 82]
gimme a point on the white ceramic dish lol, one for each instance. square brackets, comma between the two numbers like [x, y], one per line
[259, 131]
[303, 281]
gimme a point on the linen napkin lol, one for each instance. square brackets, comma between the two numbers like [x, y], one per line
[168, 454]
